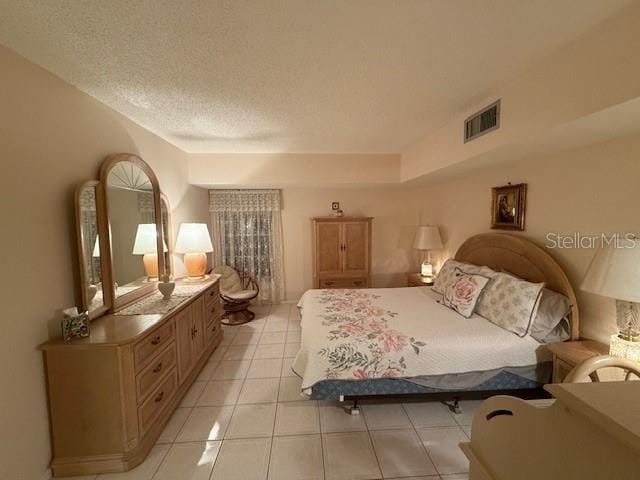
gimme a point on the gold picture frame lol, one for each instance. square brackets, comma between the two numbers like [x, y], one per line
[508, 205]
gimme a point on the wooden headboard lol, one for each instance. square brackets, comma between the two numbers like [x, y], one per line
[521, 257]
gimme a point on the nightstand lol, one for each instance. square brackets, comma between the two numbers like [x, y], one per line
[567, 355]
[417, 280]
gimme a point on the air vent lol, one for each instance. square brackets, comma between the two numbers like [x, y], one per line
[484, 121]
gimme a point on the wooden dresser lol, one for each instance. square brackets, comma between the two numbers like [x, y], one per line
[111, 394]
[342, 252]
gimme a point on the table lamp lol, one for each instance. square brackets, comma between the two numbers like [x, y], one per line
[194, 241]
[615, 273]
[146, 244]
[427, 238]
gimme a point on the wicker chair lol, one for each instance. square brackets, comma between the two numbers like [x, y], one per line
[236, 291]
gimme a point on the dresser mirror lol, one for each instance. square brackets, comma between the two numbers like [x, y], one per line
[132, 200]
[92, 298]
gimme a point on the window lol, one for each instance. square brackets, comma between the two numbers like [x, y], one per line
[247, 235]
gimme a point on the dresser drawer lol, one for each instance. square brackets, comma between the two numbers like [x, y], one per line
[151, 375]
[213, 329]
[213, 312]
[151, 345]
[212, 295]
[344, 282]
[157, 401]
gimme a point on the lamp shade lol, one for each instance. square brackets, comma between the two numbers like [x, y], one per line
[427, 238]
[615, 271]
[146, 240]
[193, 238]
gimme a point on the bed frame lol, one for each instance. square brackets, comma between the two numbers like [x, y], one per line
[523, 258]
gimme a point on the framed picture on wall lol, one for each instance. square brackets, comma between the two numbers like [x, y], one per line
[508, 205]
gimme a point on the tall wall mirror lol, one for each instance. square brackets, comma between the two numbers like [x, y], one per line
[88, 242]
[132, 201]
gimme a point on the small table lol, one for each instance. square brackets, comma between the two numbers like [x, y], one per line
[417, 280]
[566, 355]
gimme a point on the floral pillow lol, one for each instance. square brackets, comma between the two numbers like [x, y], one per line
[463, 294]
[448, 275]
[511, 303]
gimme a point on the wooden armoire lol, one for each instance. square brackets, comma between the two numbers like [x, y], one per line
[342, 252]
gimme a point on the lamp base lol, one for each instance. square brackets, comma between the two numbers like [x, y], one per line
[623, 348]
[628, 320]
[150, 261]
[196, 264]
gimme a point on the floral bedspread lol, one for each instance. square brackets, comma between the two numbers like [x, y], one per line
[361, 344]
[397, 332]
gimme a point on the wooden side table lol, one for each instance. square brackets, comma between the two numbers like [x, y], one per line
[417, 280]
[566, 355]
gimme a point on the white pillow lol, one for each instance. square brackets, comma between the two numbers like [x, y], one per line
[510, 303]
[554, 308]
[447, 274]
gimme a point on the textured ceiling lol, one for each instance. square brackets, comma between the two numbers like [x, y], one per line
[292, 75]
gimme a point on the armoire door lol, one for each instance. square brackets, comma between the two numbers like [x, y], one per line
[355, 252]
[197, 315]
[184, 326]
[328, 248]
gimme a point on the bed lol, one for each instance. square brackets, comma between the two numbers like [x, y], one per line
[393, 342]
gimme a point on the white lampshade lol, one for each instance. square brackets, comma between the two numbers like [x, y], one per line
[146, 240]
[615, 271]
[193, 238]
[427, 238]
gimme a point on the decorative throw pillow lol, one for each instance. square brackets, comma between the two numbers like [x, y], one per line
[510, 303]
[447, 274]
[462, 296]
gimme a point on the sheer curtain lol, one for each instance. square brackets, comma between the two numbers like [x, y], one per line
[246, 230]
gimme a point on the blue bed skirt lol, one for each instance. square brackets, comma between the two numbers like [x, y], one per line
[334, 389]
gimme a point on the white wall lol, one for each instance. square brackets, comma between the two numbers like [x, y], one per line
[590, 190]
[52, 136]
[392, 232]
[599, 70]
[278, 170]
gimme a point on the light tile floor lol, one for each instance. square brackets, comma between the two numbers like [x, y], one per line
[244, 419]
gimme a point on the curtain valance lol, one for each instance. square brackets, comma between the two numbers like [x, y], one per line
[244, 200]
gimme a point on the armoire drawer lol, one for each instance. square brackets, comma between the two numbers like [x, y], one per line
[154, 372]
[157, 401]
[344, 283]
[147, 348]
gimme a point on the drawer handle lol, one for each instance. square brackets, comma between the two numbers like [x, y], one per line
[328, 283]
[358, 282]
[213, 310]
[157, 368]
[155, 340]
[159, 397]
